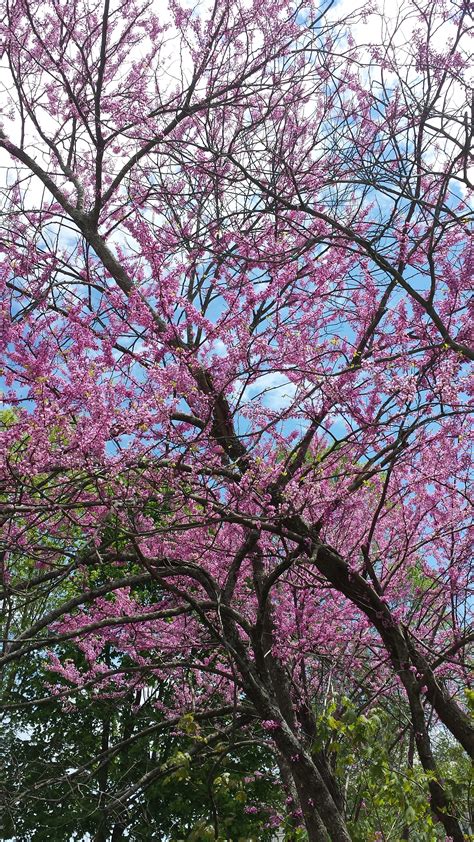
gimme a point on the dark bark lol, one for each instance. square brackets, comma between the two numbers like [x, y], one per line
[450, 714]
[291, 793]
[102, 779]
[315, 786]
[316, 802]
[410, 759]
[361, 594]
[118, 831]
[318, 806]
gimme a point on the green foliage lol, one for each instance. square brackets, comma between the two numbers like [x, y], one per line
[386, 794]
[43, 745]
[193, 782]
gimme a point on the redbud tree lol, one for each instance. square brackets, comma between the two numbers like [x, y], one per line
[236, 338]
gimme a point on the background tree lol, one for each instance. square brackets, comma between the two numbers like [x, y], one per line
[236, 332]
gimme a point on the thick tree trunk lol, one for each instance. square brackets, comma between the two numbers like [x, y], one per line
[118, 832]
[321, 815]
[361, 594]
[316, 802]
[440, 805]
[292, 797]
[448, 711]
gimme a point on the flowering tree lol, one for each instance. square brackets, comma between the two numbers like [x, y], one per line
[236, 333]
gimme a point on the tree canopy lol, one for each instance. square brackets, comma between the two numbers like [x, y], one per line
[236, 476]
